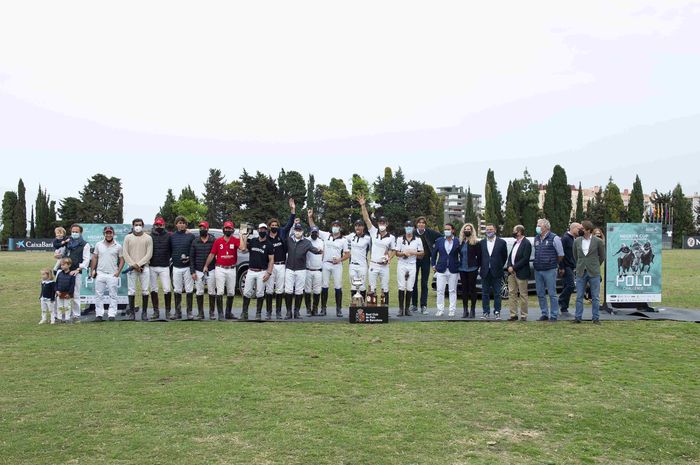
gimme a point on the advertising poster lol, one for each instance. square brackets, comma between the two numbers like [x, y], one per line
[633, 263]
[92, 233]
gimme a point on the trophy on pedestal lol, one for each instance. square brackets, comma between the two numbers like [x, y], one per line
[357, 299]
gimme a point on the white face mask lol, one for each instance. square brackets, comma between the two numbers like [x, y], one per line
[382, 227]
[448, 233]
[335, 229]
[75, 235]
[138, 229]
[298, 234]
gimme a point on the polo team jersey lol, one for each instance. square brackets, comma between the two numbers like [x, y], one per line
[260, 252]
[335, 247]
[279, 248]
[404, 245]
[226, 251]
[380, 245]
[359, 246]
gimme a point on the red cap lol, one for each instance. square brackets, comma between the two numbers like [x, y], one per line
[159, 221]
[204, 223]
[228, 224]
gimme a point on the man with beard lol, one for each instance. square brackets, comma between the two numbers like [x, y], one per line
[107, 263]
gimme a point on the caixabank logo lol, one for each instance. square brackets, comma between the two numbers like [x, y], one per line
[21, 244]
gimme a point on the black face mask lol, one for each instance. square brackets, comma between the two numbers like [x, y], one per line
[159, 229]
[262, 234]
[203, 232]
[274, 229]
[468, 233]
[228, 233]
[580, 233]
[314, 236]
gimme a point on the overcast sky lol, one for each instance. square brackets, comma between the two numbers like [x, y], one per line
[156, 93]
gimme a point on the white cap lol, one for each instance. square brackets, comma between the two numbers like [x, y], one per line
[262, 225]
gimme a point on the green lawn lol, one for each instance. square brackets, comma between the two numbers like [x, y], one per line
[423, 393]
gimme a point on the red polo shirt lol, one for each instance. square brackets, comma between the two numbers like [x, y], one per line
[226, 251]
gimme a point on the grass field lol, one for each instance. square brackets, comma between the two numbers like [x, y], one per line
[423, 393]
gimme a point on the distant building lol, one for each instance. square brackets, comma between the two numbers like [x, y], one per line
[454, 202]
[589, 194]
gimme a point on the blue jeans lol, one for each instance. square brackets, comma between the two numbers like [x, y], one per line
[568, 289]
[546, 282]
[488, 284]
[594, 282]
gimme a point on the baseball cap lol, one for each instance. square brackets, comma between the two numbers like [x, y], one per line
[204, 223]
[336, 222]
[314, 229]
[159, 221]
[381, 219]
[228, 224]
[359, 223]
[108, 228]
[408, 223]
[298, 226]
[262, 225]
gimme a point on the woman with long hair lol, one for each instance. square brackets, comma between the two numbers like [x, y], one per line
[469, 262]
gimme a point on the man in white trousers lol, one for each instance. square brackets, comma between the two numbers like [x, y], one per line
[382, 251]
[445, 263]
[408, 249]
[106, 265]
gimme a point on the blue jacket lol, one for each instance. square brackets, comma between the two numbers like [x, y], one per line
[567, 243]
[441, 260]
[495, 263]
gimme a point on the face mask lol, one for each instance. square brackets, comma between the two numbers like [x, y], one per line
[75, 235]
[580, 233]
[468, 233]
[408, 229]
[274, 230]
[298, 234]
[382, 227]
[490, 234]
[335, 229]
[138, 229]
[538, 230]
[159, 229]
[262, 234]
[228, 233]
[448, 233]
[203, 232]
[314, 236]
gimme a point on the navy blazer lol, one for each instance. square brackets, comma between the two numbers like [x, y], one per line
[495, 263]
[441, 260]
[521, 265]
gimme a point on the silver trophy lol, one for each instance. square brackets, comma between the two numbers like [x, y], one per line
[357, 299]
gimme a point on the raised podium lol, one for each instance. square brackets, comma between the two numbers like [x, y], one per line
[367, 315]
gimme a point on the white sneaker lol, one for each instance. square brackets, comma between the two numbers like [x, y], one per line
[451, 313]
[439, 313]
[43, 320]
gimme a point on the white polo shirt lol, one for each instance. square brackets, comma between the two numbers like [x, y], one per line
[359, 247]
[334, 247]
[314, 260]
[107, 257]
[380, 245]
[404, 245]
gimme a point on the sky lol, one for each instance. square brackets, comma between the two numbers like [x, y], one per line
[156, 93]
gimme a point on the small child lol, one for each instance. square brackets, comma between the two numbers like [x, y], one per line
[59, 246]
[47, 297]
[65, 286]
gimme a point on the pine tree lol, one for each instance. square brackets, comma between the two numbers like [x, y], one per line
[20, 220]
[338, 203]
[215, 198]
[469, 211]
[557, 201]
[9, 204]
[260, 197]
[320, 207]
[578, 215]
[614, 206]
[290, 184]
[187, 193]
[32, 230]
[390, 194]
[69, 210]
[635, 207]
[43, 224]
[682, 216]
[310, 192]
[52, 217]
[102, 200]
[422, 200]
[529, 210]
[513, 205]
[493, 201]
[233, 200]
[360, 186]
[167, 211]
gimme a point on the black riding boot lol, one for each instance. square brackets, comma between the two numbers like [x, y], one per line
[168, 299]
[401, 296]
[324, 300]
[244, 312]
[339, 303]
[220, 307]
[307, 303]
[229, 308]
[212, 306]
[386, 299]
[258, 308]
[314, 309]
[144, 307]
[131, 312]
[278, 306]
[268, 306]
[297, 305]
[156, 311]
[178, 307]
[407, 309]
[188, 299]
[288, 301]
[200, 307]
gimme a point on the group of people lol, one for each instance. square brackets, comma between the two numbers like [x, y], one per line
[287, 266]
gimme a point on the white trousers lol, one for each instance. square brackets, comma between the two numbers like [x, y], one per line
[449, 279]
[162, 273]
[48, 307]
[275, 285]
[313, 282]
[378, 271]
[358, 271]
[254, 282]
[107, 282]
[406, 276]
[225, 278]
[182, 278]
[328, 270]
[209, 280]
[144, 278]
[294, 281]
[63, 308]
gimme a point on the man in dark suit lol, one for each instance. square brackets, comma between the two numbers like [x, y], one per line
[567, 266]
[427, 237]
[445, 261]
[494, 254]
[518, 274]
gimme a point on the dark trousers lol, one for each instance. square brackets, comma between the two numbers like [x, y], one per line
[568, 289]
[491, 283]
[422, 268]
[468, 280]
